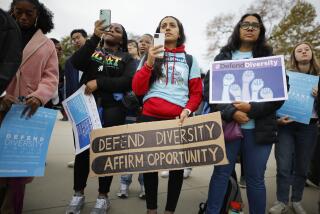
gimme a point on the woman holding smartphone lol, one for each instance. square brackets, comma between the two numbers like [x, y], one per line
[257, 120]
[171, 89]
[107, 70]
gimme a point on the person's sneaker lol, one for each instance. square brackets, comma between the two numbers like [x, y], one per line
[124, 191]
[142, 194]
[71, 164]
[102, 205]
[164, 174]
[278, 208]
[187, 173]
[76, 204]
[242, 182]
[297, 208]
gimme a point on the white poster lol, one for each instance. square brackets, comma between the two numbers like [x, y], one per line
[84, 116]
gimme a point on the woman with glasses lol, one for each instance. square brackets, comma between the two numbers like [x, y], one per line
[257, 121]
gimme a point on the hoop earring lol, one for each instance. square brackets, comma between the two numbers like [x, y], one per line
[36, 22]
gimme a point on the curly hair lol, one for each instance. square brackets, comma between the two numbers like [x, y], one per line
[260, 48]
[45, 16]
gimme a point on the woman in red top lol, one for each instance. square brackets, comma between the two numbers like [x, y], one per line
[171, 89]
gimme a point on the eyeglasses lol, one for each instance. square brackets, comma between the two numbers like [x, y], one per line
[247, 25]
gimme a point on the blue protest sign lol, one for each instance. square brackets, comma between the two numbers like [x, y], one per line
[24, 142]
[300, 103]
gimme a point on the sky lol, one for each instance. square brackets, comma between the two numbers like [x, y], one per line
[143, 16]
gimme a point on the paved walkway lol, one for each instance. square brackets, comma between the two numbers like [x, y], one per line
[51, 194]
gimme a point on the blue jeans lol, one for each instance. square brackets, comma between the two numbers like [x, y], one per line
[293, 155]
[255, 157]
[127, 179]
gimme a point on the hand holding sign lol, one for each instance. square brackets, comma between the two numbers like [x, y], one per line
[7, 101]
[184, 114]
[91, 86]
[315, 91]
[240, 117]
[242, 106]
[33, 104]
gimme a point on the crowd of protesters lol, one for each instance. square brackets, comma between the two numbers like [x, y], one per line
[167, 87]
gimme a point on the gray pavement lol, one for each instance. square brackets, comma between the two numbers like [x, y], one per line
[51, 194]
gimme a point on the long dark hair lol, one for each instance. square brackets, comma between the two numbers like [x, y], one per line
[157, 68]
[45, 16]
[124, 44]
[260, 48]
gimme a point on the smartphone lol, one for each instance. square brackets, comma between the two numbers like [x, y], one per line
[158, 39]
[105, 15]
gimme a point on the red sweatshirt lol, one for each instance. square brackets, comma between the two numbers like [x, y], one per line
[162, 98]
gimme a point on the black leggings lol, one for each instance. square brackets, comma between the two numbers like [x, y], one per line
[151, 182]
[174, 188]
[112, 116]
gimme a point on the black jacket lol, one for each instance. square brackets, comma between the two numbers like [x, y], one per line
[11, 49]
[113, 71]
[264, 113]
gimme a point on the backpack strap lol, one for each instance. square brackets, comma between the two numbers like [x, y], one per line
[189, 60]
[142, 61]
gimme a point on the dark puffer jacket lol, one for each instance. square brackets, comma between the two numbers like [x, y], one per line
[264, 113]
[11, 49]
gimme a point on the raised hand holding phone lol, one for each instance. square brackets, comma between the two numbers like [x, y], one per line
[157, 51]
[99, 29]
